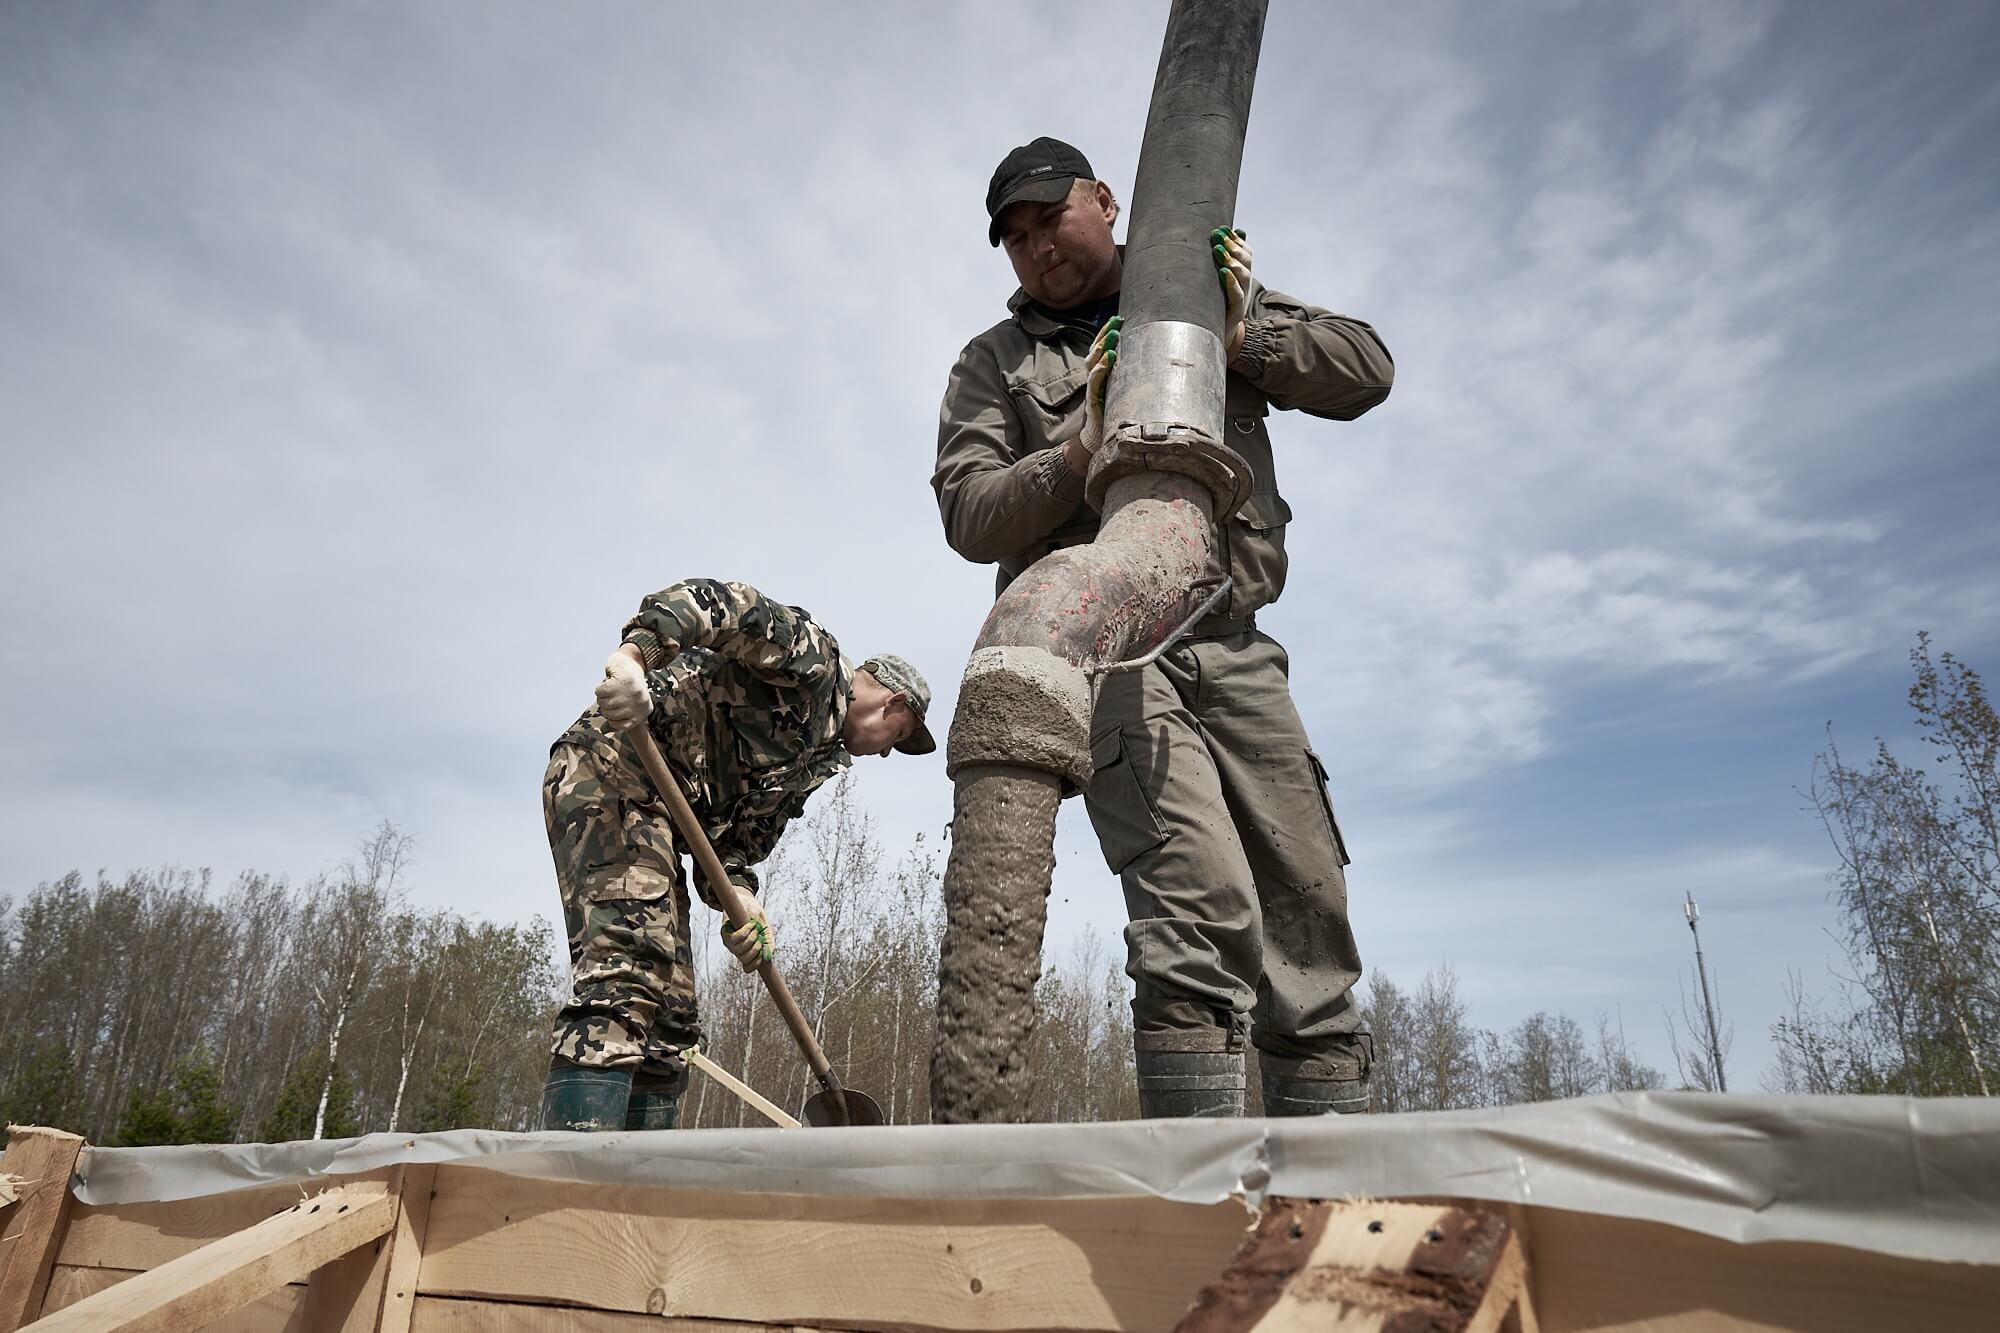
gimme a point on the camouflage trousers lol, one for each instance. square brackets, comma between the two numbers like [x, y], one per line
[631, 1003]
[1212, 809]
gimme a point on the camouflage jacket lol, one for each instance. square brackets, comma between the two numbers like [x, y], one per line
[748, 701]
[1016, 395]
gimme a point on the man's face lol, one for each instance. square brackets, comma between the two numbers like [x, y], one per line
[877, 725]
[1063, 252]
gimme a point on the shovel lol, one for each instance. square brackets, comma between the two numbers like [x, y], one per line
[833, 1105]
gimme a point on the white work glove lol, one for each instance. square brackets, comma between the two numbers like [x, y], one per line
[754, 943]
[1232, 266]
[1103, 356]
[622, 696]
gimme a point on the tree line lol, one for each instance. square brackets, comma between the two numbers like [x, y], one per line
[162, 1008]
[159, 1009]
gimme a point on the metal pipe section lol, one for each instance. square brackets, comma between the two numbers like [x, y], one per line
[1021, 734]
[1164, 410]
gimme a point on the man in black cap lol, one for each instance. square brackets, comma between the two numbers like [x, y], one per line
[1237, 927]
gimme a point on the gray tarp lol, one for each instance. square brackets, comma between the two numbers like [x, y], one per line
[1904, 1176]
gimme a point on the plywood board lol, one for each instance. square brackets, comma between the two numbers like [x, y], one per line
[962, 1264]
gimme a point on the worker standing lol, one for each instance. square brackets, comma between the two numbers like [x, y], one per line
[1238, 927]
[755, 708]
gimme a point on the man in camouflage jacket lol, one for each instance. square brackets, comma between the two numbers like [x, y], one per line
[1237, 927]
[754, 707]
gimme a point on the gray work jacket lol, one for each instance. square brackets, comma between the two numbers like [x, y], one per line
[1006, 494]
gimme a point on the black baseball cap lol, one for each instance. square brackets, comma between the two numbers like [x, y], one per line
[1040, 172]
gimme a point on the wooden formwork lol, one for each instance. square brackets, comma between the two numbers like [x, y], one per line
[456, 1247]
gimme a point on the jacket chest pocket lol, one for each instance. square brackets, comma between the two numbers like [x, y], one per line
[1052, 405]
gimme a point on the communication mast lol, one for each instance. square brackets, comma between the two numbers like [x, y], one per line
[1693, 914]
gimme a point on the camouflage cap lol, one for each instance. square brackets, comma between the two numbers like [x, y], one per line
[906, 680]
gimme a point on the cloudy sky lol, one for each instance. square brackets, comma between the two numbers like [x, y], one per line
[361, 365]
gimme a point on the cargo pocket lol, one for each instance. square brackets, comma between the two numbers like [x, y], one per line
[1326, 803]
[638, 861]
[1057, 400]
[1128, 826]
[1264, 511]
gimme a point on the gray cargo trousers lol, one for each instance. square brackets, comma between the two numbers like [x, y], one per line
[1212, 809]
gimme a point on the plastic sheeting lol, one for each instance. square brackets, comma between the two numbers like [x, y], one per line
[1919, 1178]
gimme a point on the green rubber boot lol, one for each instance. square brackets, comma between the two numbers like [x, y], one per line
[656, 1100]
[580, 1098]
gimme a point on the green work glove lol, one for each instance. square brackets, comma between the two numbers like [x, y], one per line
[752, 942]
[1232, 267]
[1103, 356]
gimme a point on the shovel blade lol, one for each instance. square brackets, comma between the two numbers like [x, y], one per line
[861, 1109]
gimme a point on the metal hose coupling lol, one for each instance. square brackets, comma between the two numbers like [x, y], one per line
[1164, 412]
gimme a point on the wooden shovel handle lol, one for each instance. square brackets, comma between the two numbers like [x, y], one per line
[730, 896]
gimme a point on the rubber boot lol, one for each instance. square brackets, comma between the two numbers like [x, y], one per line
[656, 1100]
[1289, 1094]
[1177, 1084]
[580, 1098]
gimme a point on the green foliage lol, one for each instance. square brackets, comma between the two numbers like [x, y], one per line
[149, 1120]
[189, 1110]
[455, 1103]
[45, 1091]
[291, 1117]
[205, 1116]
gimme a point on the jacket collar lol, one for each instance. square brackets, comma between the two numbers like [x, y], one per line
[1034, 319]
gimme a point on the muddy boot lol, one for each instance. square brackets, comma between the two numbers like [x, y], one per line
[656, 1100]
[1286, 1095]
[1177, 1084]
[1334, 1084]
[578, 1097]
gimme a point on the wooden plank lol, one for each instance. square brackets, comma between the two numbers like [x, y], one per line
[43, 1160]
[280, 1310]
[1118, 1263]
[436, 1314]
[1528, 1311]
[1363, 1267]
[344, 1295]
[1620, 1275]
[230, 1273]
[758, 1102]
[146, 1235]
[406, 1248]
[348, 1295]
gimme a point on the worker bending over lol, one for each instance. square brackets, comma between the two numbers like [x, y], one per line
[755, 708]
